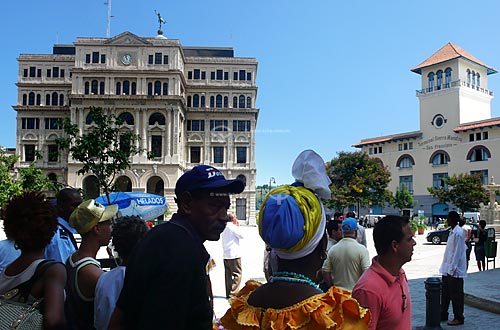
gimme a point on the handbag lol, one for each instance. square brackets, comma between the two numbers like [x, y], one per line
[20, 315]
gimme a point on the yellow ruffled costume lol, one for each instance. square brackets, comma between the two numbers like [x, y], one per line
[333, 310]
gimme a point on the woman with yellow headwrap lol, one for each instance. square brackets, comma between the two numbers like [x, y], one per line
[292, 221]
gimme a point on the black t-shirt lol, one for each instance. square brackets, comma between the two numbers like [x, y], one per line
[165, 283]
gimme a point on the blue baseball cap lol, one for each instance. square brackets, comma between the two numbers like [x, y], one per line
[207, 177]
[349, 224]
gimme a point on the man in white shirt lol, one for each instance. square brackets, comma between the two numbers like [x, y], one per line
[346, 260]
[453, 269]
[232, 255]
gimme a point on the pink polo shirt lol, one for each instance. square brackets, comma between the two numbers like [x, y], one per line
[387, 296]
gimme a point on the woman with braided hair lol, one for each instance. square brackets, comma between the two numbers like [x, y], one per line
[292, 222]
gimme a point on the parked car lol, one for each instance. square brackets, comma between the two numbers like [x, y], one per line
[441, 235]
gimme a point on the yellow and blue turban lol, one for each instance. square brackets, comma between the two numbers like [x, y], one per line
[292, 221]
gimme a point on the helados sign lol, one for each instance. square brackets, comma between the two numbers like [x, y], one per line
[150, 200]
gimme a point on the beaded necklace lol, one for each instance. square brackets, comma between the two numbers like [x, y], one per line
[293, 278]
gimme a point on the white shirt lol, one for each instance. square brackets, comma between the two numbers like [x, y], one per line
[454, 260]
[107, 291]
[231, 241]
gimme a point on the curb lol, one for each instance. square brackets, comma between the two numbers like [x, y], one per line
[482, 303]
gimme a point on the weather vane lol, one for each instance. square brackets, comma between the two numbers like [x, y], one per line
[160, 21]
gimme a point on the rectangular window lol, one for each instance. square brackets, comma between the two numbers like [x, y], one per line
[49, 73]
[226, 75]
[95, 57]
[195, 154]
[241, 125]
[103, 58]
[478, 136]
[406, 182]
[218, 155]
[52, 123]
[249, 76]
[241, 155]
[32, 71]
[156, 145]
[241, 208]
[39, 73]
[438, 180]
[400, 147]
[165, 59]
[190, 74]
[471, 137]
[62, 73]
[196, 74]
[370, 151]
[25, 73]
[485, 135]
[212, 75]
[196, 125]
[29, 152]
[87, 58]
[55, 72]
[52, 153]
[235, 75]
[158, 57]
[219, 74]
[405, 146]
[218, 125]
[379, 150]
[242, 74]
[150, 59]
[30, 123]
[410, 145]
[483, 174]
[203, 75]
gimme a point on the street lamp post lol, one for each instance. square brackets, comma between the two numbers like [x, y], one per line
[271, 180]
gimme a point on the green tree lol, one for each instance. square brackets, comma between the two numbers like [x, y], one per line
[358, 180]
[403, 199]
[32, 178]
[104, 150]
[464, 190]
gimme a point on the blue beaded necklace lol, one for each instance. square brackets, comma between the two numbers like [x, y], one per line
[293, 278]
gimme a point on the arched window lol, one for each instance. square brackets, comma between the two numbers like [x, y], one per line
[235, 102]
[134, 88]
[478, 81]
[478, 154]
[101, 88]
[25, 99]
[196, 101]
[212, 101]
[157, 87]
[447, 77]
[249, 102]
[47, 99]
[94, 86]
[89, 120]
[430, 86]
[126, 87]
[157, 118]
[118, 88]
[165, 88]
[473, 74]
[189, 101]
[405, 161]
[31, 98]
[150, 88]
[218, 101]
[39, 99]
[87, 88]
[440, 158]
[54, 98]
[61, 99]
[202, 101]
[468, 76]
[127, 118]
[439, 79]
[225, 102]
[241, 102]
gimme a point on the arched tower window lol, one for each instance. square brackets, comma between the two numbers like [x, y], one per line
[94, 86]
[218, 101]
[430, 85]
[439, 79]
[157, 87]
[447, 77]
[478, 154]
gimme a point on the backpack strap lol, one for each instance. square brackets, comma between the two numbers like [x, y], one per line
[70, 235]
[24, 289]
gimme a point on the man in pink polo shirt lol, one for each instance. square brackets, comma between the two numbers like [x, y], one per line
[383, 287]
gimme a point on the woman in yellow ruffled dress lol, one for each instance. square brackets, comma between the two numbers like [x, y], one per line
[292, 221]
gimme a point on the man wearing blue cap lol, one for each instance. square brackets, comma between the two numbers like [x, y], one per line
[166, 281]
[346, 260]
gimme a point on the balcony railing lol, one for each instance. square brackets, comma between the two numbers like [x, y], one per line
[457, 83]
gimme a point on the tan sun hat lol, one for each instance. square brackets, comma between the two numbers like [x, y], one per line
[90, 213]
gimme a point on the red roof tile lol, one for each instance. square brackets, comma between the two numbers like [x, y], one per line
[388, 138]
[479, 124]
[446, 53]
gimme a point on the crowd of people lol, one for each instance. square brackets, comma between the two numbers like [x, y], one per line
[318, 271]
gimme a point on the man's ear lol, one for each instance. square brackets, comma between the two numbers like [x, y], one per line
[394, 246]
[185, 202]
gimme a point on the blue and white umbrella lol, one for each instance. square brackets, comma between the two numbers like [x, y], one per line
[147, 206]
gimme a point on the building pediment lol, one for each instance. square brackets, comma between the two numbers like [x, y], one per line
[127, 39]
[241, 139]
[195, 138]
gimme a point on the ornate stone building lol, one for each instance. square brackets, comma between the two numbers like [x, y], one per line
[457, 133]
[189, 105]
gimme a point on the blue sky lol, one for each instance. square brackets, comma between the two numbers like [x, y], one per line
[330, 73]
